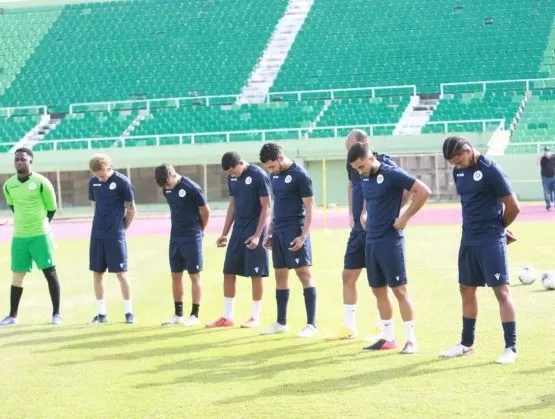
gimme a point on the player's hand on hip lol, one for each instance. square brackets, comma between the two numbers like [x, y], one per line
[252, 242]
[267, 243]
[222, 241]
[296, 244]
[400, 223]
[511, 238]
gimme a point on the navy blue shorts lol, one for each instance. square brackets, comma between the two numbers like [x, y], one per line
[355, 255]
[240, 260]
[108, 254]
[385, 263]
[483, 265]
[282, 257]
[186, 255]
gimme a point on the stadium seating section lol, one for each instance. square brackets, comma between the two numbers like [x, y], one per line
[538, 120]
[149, 49]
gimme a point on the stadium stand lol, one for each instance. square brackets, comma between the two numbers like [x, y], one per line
[173, 48]
[389, 43]
[538, 120]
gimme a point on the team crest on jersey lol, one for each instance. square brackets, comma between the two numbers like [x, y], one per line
[288, 179]
[248, 180]
[182, 193]
[478, 175]
[112, 186]
[32, 186]
[379, 179]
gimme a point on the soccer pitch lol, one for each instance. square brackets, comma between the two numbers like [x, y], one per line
[145, 370]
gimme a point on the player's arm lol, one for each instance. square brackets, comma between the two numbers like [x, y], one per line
[48, 198]
[406, 198]
[229, 217]
[419, 192]
[8, 197]
[130, 212]
[512, 209]
[204, 216]
[363, 215]
[350, 201]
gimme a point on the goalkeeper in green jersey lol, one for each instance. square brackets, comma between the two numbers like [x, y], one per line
[33, 202]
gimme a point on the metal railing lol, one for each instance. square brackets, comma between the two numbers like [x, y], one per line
[527, 84]
[228, 136]
[8, 111]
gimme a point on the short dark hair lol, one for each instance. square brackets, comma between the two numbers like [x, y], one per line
[270, 152]
[162, 173]
[230, 160]
[454, 145]
[26, 151]
[358, 151]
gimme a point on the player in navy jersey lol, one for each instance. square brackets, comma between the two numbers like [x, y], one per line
[288, 235]
[383, 187]
[112, 197]
[354, 259]
[189, 217]
[248, 212]
[489, 206]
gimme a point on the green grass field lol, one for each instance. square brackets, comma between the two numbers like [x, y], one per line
[144, 370]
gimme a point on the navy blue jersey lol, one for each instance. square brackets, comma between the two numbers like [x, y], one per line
[109, 198]
[356, 188]
[289, 189]
[481, 188]
[184, 201]
[383, 192]
[246, 191]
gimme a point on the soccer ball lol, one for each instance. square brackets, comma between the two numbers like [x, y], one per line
[548, 280]
[527, 275]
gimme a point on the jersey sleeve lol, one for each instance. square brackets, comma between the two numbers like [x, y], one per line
[91, 194]
[48, 195]
[402, 179]
[128, 191]
[305, 185]
[384, 158]
[7, 195]
[199, 196]
[499, 181]
[263, 185]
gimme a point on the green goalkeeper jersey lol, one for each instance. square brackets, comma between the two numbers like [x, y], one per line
[31, 201]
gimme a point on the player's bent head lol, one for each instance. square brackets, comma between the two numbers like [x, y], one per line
[356, 136]
[458, 151]
[165, 176]
[271, 156]
[231, 162]
[361, 158]
[101, 166]
[23, 158]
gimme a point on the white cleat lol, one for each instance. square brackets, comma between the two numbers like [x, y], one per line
[57, 320]
[308, 331]
[456, 351]
[508, 357]
[8, 321]
[250, 323]
[175, 319]
[409, 348]
[275, 328]
[192, 321]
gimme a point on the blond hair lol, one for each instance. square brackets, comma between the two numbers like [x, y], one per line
[99, 162]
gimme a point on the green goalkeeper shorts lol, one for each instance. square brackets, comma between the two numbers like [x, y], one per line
[25, 250]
